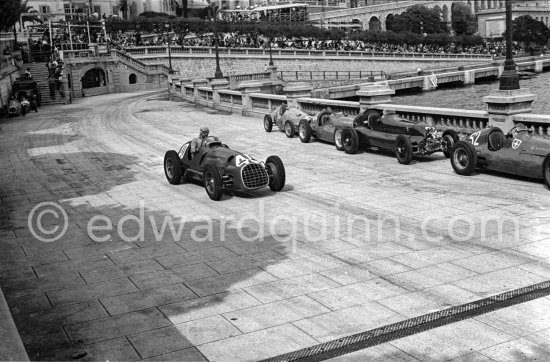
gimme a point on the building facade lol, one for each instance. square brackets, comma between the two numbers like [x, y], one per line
[491, 14]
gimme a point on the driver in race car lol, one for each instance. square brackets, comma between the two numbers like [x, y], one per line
[198, 142]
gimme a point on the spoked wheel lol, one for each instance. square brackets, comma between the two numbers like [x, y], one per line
[289, 129]
[403, 150]
[464, 158]
[350, 140]
[338, 139]
[213, 183]
[304, 131]
[450, 138]
[268, 123]
[172, 167]
[276, 172]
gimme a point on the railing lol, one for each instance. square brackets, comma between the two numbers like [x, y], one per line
[461, 120]
[153, 51]
[229, 98]
[331, 75]
[205, 96]
[266, 103]
[146, 67]
[539, 124]
[312, 106]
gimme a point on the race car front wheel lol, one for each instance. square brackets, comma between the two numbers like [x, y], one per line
[268, 123]
[403, 149]
[213, 183]
[464, 158]
[304, 131]
[546, 171]
[350, 140]
[289, 129]
[172, 167]
[276, 172]
[338, 139]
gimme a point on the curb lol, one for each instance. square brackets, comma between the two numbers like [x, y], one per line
[11, 348]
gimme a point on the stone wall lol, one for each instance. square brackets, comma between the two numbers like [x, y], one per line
[7, 75]
[205, 65]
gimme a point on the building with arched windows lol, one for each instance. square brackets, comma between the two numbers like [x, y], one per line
[491, 14]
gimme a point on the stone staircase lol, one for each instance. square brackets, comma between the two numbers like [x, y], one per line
[40, 74]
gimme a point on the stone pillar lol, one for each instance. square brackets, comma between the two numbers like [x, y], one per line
[196, 84]
[273, 70]
[216, 85]
[248, 87]
[373, 94]
[469, 76]
[503, 104]
[430, 83]
[294, 91]
[539, 65]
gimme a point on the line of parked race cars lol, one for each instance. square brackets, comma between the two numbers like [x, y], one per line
[221, 169]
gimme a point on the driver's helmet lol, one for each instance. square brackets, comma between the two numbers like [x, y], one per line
[520, 127]
[204, 131]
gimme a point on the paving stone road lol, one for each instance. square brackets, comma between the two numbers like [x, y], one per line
[146, 270]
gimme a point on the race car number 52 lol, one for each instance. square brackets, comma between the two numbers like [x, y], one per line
[474, 137]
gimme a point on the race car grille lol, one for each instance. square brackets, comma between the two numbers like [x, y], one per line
[254, 176]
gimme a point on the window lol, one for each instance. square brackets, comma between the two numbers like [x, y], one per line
[45, 9]
[97, 9]
[132, 79]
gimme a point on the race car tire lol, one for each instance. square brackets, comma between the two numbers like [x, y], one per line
[450, 138]
[403, 149]
[350, 140]
[304, 131]
[172, 167]
[289, 129]
[338, 139]
[546, 171]
[464, 158]
[213, 183]
[268, 123]
[276, 171]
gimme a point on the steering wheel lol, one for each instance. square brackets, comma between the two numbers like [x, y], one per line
[519, 127]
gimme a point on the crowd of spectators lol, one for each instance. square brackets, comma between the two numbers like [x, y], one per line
[495, 48]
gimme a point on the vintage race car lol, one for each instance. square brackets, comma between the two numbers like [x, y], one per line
[519, 152]
[287, 119]
[373, 129]
[223, 169]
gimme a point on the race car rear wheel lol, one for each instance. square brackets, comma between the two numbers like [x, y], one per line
[289, 129]
[213, 183]
[403, 149]
[268, 123]
[304, 131]
[464, 158]
[546, 171]
[450, 138]
[338, 139]
[172, 167]
[350, 140]
[276, 172]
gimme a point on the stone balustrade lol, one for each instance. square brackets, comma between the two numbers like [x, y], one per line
[155, 51]
[249, 101]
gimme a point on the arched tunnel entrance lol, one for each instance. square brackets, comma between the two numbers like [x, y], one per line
[94, 82]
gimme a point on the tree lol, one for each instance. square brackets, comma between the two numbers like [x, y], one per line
[527, 30]
[419, 19]
[10, 10]
[462, 19]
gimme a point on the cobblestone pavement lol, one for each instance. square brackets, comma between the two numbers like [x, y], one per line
[353, 242]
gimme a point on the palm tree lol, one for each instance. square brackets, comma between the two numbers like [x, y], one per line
[26, 9]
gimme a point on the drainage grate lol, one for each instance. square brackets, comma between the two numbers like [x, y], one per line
[415, 325]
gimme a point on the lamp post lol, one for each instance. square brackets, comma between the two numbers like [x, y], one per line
[170, 70]
[509, 80]
[215, 11]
